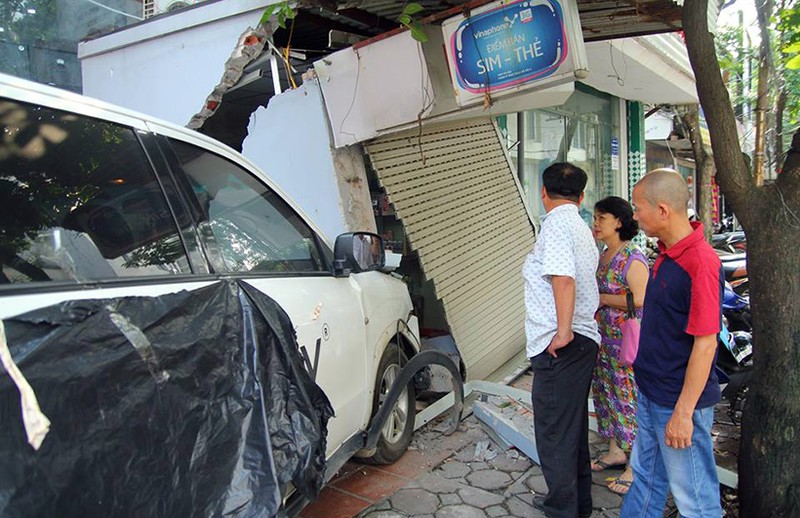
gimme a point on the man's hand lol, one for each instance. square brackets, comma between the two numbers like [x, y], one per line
[679, 430]
[680, 426]
[559, 341]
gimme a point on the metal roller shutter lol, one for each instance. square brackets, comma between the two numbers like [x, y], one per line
[463, 212]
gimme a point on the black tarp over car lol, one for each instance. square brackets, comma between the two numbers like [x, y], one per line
[189, 404]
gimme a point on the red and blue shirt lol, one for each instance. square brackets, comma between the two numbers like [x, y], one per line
[682, 301]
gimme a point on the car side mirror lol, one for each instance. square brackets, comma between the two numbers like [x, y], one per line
[357, 252]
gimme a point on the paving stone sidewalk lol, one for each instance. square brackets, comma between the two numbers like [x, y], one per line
[481, 480]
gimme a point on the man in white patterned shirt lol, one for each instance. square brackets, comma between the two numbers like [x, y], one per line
[561, 298]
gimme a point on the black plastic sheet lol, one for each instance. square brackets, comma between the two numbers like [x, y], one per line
[189, 404]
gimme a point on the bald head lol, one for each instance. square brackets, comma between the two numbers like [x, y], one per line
[665, 186]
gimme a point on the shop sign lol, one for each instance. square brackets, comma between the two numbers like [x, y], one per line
[505, 47]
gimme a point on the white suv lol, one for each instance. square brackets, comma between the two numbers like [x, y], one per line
[99, 202]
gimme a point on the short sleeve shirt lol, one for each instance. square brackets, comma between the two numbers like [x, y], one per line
[682, 301]
[564, 247]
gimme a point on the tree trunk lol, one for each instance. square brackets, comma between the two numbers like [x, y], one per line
[705, 168]
[783, 96]
[769, 460]
[780, 107]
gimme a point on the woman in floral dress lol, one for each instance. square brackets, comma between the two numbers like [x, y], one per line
[622, 268]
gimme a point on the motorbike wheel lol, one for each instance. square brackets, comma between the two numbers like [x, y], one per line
[396, 433]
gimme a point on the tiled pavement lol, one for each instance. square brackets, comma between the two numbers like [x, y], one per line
[495, 484]
[466, 475]
[359, 486]
[463, 475]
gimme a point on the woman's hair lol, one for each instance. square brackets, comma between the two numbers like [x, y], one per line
[620, 209]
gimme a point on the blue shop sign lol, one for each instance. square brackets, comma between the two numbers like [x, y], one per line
[509, 45]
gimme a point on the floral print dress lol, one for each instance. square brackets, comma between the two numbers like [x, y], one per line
[613, 385]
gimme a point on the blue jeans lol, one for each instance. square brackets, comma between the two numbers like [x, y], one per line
[689, 473]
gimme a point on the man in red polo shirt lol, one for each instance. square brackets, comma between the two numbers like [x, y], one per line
[678, 386]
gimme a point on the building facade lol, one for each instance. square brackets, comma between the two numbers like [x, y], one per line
[375, 137]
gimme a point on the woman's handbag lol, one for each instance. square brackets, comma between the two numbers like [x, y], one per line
[630, 334]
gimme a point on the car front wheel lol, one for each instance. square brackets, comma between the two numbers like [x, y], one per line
[396, 433]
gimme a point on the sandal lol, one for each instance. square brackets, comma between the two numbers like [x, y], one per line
[605, 465]
[625, 484]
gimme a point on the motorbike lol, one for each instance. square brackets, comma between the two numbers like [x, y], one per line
[736, 309]
[734, 266]
[730, 242]
[735, 351]
[726, 224]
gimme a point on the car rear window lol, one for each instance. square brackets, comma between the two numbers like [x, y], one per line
[79, 200]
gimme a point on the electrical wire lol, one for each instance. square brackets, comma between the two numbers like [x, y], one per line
[286, 61]
[353, 100]
[427, 100]
[787, 208]
[620, 80]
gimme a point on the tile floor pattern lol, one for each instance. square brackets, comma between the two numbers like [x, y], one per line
[464, 475]
[467, 475]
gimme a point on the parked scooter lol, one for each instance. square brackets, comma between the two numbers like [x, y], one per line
[734, 266]
[734, 369]
[736, 309]
[730, 242]
[727, 224]
[735, 351]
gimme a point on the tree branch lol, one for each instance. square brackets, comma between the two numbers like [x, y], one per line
[690, 117]
[735, 179]
[765, 73]
[789, 179]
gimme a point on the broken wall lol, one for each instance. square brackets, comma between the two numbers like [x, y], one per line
[156, 68]
[290, 140]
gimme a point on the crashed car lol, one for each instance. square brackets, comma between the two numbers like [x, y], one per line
[102, 204]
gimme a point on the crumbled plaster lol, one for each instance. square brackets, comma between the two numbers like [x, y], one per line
[354, 196]
[250, 46]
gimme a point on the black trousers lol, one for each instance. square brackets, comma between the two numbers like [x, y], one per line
[561, 425]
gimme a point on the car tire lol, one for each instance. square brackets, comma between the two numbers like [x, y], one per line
[396, 434]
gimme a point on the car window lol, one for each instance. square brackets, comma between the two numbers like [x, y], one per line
[79, 201]
[246, 226]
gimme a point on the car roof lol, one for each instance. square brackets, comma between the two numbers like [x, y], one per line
[36, 93]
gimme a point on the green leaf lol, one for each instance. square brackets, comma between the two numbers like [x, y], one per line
[412, 8]
[268, 12]
[791, 49]
[281, 10]
[404, 19]
[794, 63]
[418, 34]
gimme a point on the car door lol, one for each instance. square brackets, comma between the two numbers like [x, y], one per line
[249, 231]
[84, 214]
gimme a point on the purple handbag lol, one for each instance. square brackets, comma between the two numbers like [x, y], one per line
[630, 334]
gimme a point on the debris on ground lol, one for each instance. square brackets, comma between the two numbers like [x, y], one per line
[510, 420]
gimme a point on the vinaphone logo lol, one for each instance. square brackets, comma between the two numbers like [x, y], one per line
[507, 24]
